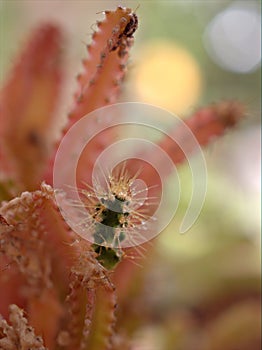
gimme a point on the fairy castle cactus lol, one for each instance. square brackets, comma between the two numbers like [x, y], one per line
[56, 291]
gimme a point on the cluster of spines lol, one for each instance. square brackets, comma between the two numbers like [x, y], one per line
[113, 213]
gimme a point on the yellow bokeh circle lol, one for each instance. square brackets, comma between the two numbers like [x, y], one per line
[168, 76]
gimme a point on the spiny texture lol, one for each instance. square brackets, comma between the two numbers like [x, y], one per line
[206, 124]
[24, 238]
[114, 217]
[56, 277]
[105, 67]
[99, 83]
[89, 281]
[31, 225]
[23, 235]
[68, 275]
[17, 334]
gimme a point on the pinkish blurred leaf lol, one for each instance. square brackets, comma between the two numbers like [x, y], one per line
[28, 103]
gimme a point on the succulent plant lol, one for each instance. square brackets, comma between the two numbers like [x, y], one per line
[57, 290]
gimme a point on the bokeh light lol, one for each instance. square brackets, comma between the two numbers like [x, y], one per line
[167, 75]
[233, 37]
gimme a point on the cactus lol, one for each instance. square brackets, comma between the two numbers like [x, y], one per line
[60, 291]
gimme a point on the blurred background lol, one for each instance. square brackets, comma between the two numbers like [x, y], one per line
[201, 290]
